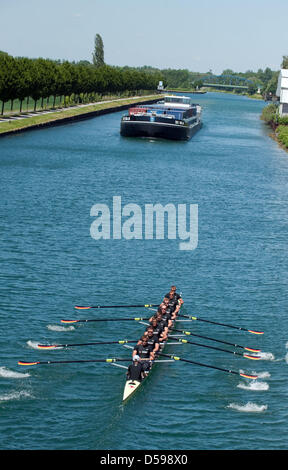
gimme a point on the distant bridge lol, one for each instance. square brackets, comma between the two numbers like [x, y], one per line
[226, 81]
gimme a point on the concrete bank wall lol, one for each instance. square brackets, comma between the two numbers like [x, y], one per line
[78, 117]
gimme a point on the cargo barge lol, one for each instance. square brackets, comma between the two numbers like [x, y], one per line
[174, 118]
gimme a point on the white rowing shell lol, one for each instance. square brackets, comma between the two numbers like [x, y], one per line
[130, 387]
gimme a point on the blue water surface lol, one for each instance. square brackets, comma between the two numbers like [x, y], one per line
[50, 179]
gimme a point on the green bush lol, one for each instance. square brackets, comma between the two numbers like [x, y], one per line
[282, 134]
[283, 120]
[269, 113]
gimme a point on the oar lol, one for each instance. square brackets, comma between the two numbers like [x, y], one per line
[222, 324]
[53, 346]
[247, 356]
[104, 319]
[30, 363]
[177, 358]
[81, 307]
[189, 333]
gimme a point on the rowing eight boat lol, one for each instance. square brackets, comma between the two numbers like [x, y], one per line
[132, 385]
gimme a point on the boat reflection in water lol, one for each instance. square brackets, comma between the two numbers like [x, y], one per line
[174, 118]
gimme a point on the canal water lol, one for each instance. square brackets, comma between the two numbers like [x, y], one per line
[236, 274]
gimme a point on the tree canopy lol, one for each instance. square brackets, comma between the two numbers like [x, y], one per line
[284, 64]
[40, 78]
[98, 54]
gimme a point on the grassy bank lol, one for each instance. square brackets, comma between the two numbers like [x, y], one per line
[65, 114]
[28, 105]
[278, 124]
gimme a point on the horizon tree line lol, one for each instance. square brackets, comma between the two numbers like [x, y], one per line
[22, 78]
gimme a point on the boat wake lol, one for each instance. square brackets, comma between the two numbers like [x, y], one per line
[14, 396]
[254, 386]
[32, 344]
[60, 328]
[10, 374]
[263, 375]
[265, 356]
[248, 408]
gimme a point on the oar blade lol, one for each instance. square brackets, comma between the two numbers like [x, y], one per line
[247, 376]
[25, 363]
[69, 321]
[254, 358]
[256, 332]
[252, 350]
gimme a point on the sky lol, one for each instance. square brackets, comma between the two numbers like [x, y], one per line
[197, 35]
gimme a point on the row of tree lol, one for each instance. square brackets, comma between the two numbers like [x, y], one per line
[265, 79]
[21, 77]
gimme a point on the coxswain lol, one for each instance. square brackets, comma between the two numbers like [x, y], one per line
[135, 370]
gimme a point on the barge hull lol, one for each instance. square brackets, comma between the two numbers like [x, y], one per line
[160, 131]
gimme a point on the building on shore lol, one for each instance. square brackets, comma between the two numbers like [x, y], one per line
[282, 92]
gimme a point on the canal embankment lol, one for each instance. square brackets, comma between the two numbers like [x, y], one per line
[72, 114]
[279, 125]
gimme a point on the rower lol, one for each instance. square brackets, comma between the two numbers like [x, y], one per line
[152, 340]
[176, 296]
[173, 303]
[164, 303]
[162, 308]
[145, 353]
[135, 370]
[172, 309]
[164, 316]
[165, 322]
[158, 330]
[159, 311]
